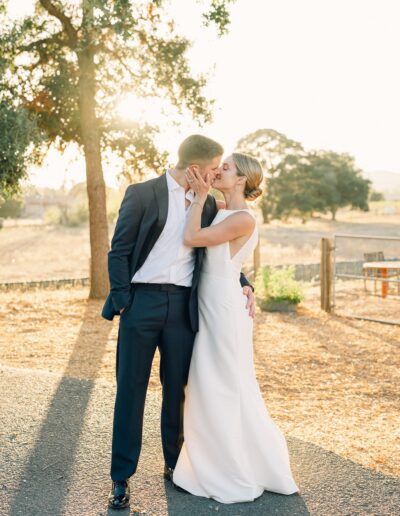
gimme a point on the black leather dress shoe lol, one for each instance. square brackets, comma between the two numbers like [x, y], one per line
[119, 495]
[169, 475]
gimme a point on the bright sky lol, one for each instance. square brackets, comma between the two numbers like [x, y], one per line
[324, 72]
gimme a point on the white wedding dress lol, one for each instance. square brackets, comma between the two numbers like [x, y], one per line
[233, 451]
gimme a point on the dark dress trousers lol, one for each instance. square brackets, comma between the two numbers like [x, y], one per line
[152, 318]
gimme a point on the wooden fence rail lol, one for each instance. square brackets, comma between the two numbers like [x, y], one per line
[45, 284]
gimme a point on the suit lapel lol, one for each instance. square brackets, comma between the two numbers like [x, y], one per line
[205, 216]
[160, 188]
[160, 202]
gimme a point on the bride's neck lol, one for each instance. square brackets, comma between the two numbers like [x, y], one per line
[234, 200]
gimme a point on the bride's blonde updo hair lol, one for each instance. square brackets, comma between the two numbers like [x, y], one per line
[251, 168]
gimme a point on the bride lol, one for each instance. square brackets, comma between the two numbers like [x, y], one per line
[233, 451]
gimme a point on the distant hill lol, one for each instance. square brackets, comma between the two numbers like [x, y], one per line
[386, 182]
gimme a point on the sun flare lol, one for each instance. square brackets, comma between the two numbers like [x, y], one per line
[139, 109]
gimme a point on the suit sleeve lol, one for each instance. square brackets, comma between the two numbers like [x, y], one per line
[245, 282]
[122, 245]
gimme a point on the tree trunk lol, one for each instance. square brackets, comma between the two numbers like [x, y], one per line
[333, 211]
[265, 211]
[99, 242]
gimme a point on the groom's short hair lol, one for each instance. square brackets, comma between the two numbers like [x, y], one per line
[197, 149]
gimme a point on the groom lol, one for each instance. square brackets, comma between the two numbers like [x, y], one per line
[154, 280]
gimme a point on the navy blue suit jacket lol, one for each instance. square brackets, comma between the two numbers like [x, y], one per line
[142, 217]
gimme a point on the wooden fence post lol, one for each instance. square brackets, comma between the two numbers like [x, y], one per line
[326, 274]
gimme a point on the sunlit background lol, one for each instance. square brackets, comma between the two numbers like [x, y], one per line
[324, 72]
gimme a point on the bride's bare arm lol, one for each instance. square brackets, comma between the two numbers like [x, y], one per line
[236, 225]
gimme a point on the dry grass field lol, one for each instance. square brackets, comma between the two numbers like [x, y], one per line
[43, 252]
[294, 242]
[327, 380]
[48, 252]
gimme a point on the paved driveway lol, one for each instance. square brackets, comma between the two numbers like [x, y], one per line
[54, 459]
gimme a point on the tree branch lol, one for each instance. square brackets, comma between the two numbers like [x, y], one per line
[55, 38]
[65, 21]
[121, 61]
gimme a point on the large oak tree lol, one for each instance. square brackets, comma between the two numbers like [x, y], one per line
[71, 62]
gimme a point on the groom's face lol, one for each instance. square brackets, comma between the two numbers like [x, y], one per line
[210, 167]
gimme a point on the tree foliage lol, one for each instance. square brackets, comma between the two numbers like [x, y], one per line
[11, 207]
[376, 196]
[70, 64]
[319, 181]
[270, 147]
[135, 49]
[294, 189]
[302, 183]
[341, 182]
[17, 133]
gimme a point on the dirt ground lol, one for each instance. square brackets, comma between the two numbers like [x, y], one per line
[327, 380]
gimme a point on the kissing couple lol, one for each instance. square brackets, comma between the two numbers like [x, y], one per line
[176, 283]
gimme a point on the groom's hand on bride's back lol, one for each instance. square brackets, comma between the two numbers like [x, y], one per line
[251, 300]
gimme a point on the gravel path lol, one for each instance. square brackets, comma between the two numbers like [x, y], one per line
[54, 460]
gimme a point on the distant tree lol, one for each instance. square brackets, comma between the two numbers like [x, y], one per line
[375, 196]
[11, 207]
[300, 182]
[295, 188]
[71, 62]
[341, 182]
[318, 181]
[270, 147]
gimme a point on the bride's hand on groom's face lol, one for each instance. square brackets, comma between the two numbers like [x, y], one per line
[200, 186]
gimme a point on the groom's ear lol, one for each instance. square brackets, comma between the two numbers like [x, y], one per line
[194, 168]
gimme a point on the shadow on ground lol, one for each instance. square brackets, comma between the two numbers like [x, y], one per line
[328, 485]
[56, 433]
[44, 483]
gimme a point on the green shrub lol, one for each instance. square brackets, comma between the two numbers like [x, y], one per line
[78, 215]
[278, 285]
[52, 215]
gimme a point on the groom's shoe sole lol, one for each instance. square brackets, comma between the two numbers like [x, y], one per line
[119, 507]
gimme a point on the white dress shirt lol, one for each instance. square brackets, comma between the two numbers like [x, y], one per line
[170, 261]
